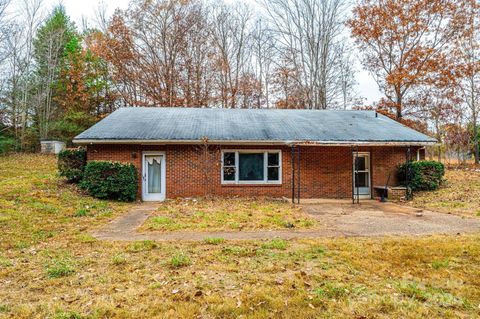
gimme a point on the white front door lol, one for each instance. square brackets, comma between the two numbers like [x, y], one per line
[361, 174]
[153, 176]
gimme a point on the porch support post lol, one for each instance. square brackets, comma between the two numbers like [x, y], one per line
[293, 174]
[298, 176]
[408, 173]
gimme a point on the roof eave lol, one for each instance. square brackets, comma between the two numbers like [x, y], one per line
[256, 142]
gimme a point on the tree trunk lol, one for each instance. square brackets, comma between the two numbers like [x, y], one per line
[399, 107]
[475, 140]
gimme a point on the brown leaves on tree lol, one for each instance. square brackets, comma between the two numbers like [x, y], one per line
[168, 53]
[406, 43]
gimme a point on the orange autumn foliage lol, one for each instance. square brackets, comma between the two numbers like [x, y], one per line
[406, 44]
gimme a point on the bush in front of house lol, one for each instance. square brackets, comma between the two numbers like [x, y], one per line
[110, 180]
[71, 164]
[424, 175]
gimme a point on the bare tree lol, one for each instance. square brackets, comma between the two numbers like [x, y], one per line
[467, 54]
[196, 62]
[32, 20]
[49, 47]
[308, 34]
[230, 35]
[101, 17]
[3, 19]
[188, 53]
[18, 62]
[152, 49]
[51, 50]
[14, 68]
[346, 76]
[438, 105]
[4, 52]
[263, 51]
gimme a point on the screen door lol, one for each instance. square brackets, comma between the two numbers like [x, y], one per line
[153, 186]
[361, 173]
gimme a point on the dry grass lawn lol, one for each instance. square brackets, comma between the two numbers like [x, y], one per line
[460, 194]
[51, 268]
[231, 214]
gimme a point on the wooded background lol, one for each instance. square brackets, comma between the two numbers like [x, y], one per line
[57, 78]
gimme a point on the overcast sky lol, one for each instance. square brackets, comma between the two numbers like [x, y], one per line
[76, 9]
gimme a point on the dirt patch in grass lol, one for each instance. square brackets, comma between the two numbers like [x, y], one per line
[460, 194]
[226, 214]
[51, 268]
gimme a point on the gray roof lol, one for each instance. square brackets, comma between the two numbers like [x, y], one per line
[159, 124]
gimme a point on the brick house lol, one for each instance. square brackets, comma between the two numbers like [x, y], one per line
[186, 152]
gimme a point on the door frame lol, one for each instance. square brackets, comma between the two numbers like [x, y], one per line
[163, 188]
[369, 166]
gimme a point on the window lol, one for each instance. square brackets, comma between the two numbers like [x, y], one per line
[251, 167]
[273, 166]
[229, 168]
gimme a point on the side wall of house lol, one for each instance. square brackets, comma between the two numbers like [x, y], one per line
[325, 172]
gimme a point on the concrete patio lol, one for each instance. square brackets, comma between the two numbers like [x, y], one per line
[337, 218]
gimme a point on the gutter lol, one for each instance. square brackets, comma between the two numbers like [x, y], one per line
[255, 142]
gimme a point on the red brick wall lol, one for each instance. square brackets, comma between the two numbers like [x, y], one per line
[324, 171]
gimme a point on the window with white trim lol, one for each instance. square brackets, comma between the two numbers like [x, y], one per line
[251, 167]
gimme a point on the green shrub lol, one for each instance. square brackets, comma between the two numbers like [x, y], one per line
[110, 180]
[424, 175]
[7, 144]
[71, 164]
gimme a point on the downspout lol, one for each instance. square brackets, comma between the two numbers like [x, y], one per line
[293, 174]
[353, 177]
[298, 176]
[356, 177]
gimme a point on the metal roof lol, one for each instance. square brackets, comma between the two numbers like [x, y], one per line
[267, 126]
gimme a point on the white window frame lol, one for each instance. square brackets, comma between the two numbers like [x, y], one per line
[265, 167]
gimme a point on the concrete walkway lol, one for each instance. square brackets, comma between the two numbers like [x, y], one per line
[338, 219]
[372, 218]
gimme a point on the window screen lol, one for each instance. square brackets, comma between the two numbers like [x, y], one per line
[273, 169]
[361, 179]
[360, 164]
[229, 166]
[250, 166]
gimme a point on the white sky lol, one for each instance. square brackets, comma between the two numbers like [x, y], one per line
[78, 9]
